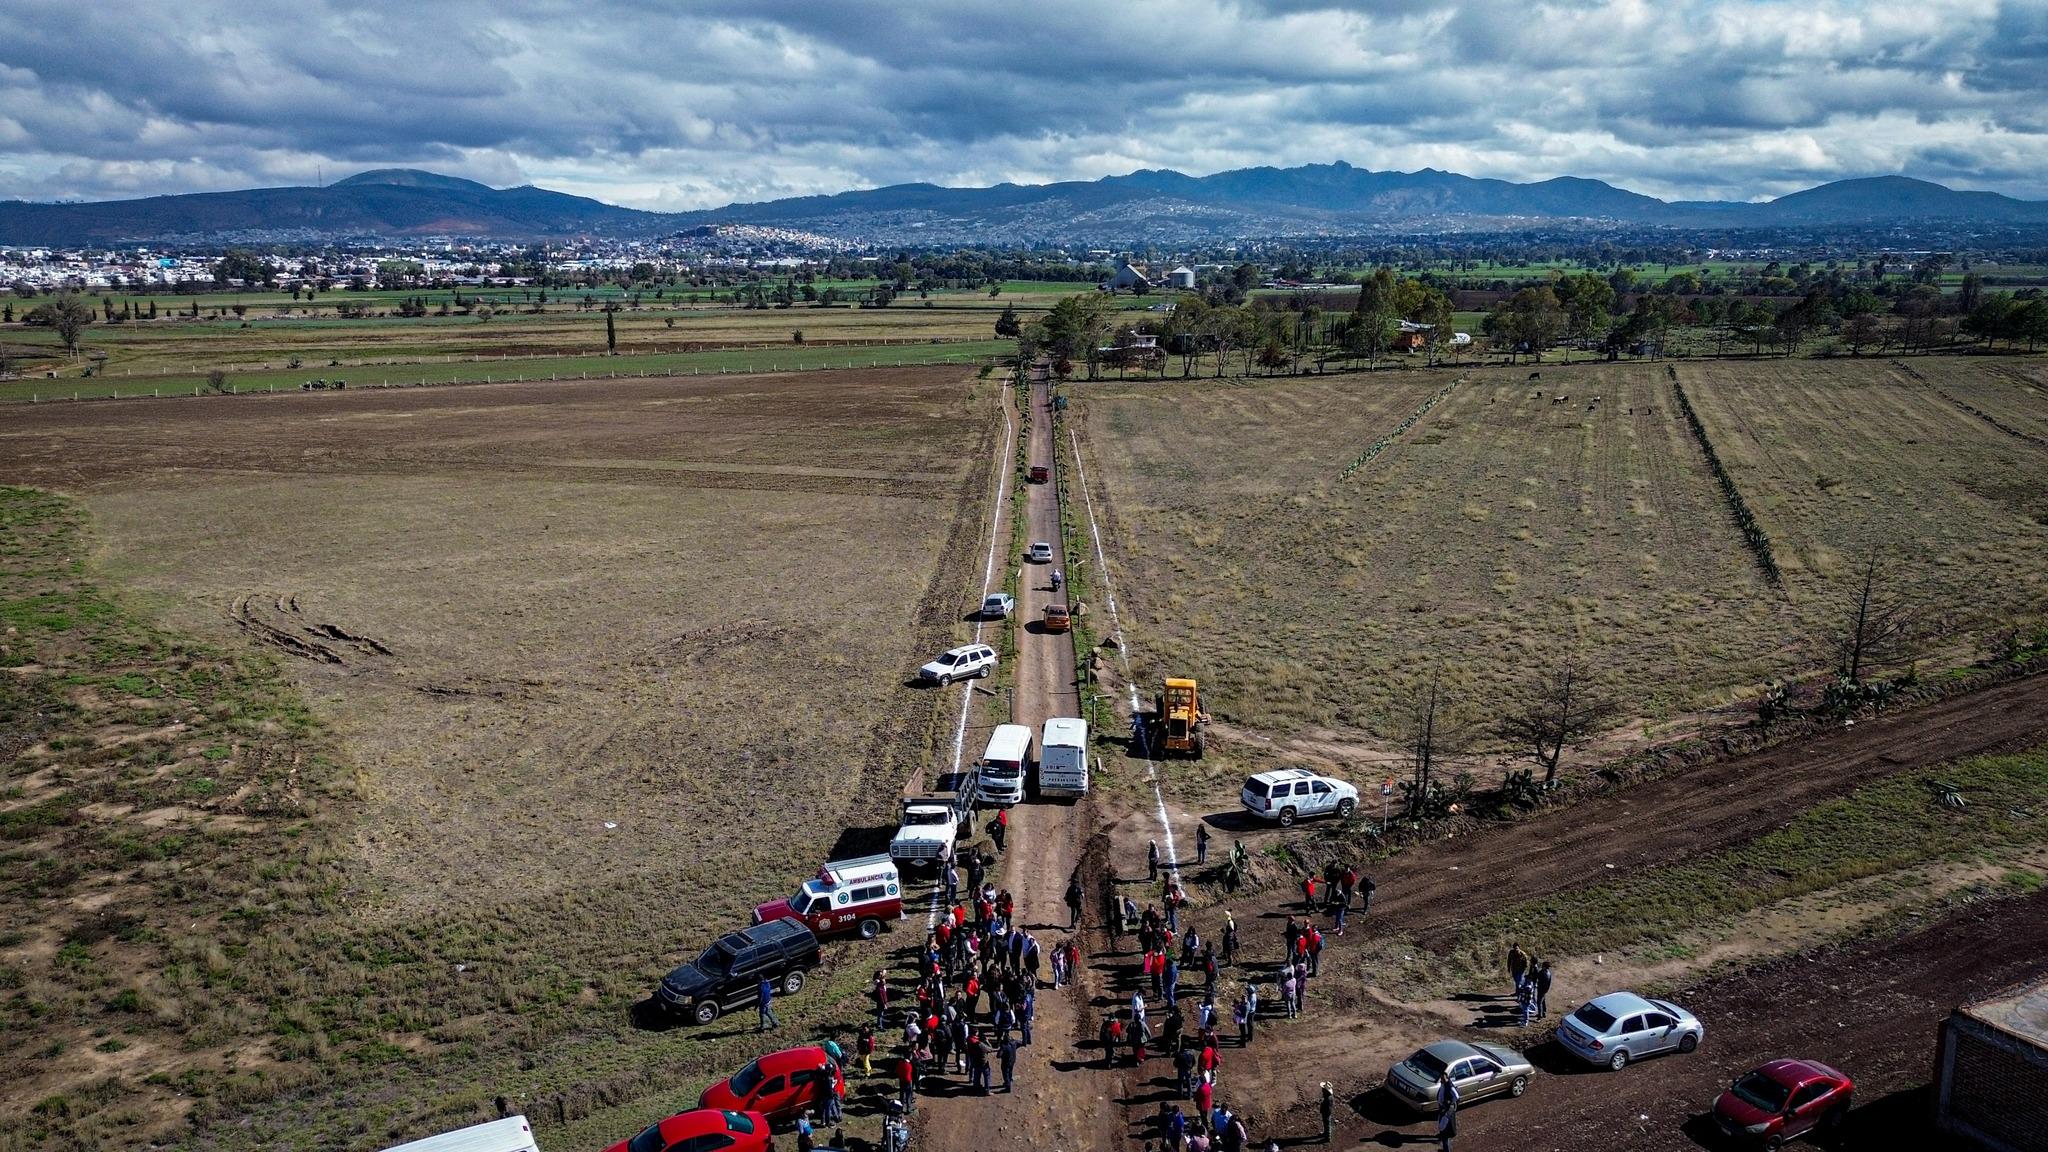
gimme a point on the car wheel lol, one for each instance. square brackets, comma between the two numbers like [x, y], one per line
[1619, 1060]
[704, 1011]
[869, 929]
[1773, 1142]
[1287, 817]
[1345, 808]
[1688, 1042]
[946, 681]
[986, 671]
[793, 983]
[1520, 1086]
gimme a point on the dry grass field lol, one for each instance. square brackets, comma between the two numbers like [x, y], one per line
[1505, 530]
[588, 670]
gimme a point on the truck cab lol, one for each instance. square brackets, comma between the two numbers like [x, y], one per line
[846, 896]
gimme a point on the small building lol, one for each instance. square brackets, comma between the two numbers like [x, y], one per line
[1991, 1071]
[1127, 279]
[1181, 277]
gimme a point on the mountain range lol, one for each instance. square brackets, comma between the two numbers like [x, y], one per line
[1155, 205]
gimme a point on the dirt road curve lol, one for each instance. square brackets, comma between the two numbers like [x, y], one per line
[1695, 810]
[1059, 1104]
[1870, 1008]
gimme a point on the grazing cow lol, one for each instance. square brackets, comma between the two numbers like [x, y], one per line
[1535, 375]
[1559, 399]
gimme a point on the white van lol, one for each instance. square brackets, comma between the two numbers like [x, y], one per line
[1003, 765]
[512, 1134]
[1063, 757]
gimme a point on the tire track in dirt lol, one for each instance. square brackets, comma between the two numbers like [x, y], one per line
[288, 628]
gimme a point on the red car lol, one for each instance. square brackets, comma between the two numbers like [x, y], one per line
[705, 1130]
[1783, 1100]
[780, 1085]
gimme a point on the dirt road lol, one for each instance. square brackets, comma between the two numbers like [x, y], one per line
[1870, 1008]
[1353, 1032]
[1696, 810]
[1059, 1103]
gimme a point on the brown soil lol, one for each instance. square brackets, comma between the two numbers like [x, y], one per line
[1056, 1096]
[1697, 810]
[1870, 1008]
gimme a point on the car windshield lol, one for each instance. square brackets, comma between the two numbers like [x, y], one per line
[1762, 1092]
[1427, 1064]
[717, 958]
[738, 1122]
[648, 1141]
[1595, 1017]
[1256, 788]
[925, 818]
[746, 1080]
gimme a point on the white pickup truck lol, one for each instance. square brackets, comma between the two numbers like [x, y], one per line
[931, 820]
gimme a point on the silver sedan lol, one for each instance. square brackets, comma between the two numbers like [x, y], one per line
[1622, 1026]
[1478, 1070]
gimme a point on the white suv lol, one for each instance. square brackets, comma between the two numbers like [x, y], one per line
[1291, 793]
[1040, 553]
[959, 664]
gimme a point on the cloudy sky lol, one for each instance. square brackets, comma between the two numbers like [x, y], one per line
[689, 105]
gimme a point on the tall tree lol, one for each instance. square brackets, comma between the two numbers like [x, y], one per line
[611, 331]
[1007, 325]
[1588, 302]
[1372, 318]
[67, 314]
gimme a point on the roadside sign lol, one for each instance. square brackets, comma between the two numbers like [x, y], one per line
[1386, 787]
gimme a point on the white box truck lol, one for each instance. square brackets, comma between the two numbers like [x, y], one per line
[1063, 758]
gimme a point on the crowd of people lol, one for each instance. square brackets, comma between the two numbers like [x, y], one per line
[971, 1010]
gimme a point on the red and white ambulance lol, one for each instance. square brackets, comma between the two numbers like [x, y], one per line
[857, 895]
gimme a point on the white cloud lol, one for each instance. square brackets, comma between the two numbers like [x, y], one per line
[755, 99]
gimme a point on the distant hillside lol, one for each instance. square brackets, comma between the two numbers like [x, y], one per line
[390, 202]
[1150, 204]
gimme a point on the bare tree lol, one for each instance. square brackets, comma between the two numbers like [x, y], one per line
[1879, 629]
[1433, 732]
[1563, 710]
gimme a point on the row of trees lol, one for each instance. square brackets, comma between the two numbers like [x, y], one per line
[1268, 334]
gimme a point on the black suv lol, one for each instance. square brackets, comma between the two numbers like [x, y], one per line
[729, 973]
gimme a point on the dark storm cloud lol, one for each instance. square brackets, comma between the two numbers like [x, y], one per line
[749, 99]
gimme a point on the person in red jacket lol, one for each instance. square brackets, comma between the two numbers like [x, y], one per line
[906, 1082]
[1308, 893]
